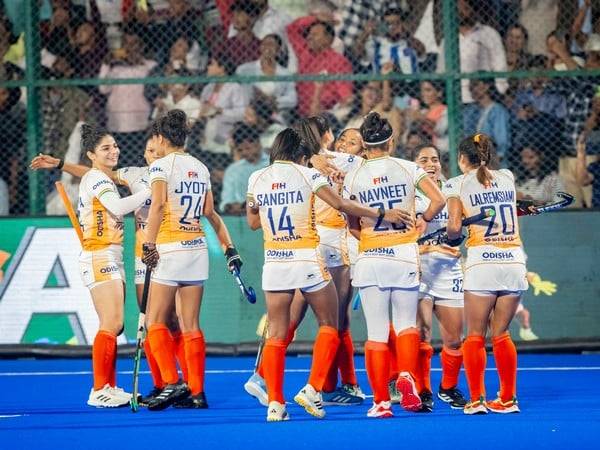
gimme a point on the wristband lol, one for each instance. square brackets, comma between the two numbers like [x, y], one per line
[61, 163]
[381, 212]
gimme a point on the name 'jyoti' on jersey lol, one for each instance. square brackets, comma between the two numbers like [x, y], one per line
[191, 187]
[486, 198]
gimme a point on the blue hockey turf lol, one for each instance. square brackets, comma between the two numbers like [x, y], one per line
[42, 406]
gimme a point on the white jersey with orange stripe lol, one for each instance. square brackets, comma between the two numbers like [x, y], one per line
[284, 193]
[433, 246]
[100, 228]
[137, 179]
[385, 182]
[188, 183]
[326, 215]
[502, 228]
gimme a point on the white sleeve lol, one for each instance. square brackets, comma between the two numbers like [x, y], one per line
[452, 187]
[157, 172]
[419, 175]
[508, 173]
[315, 179]
[345, 162]
[118, 206]
[128, 175]
[250, 191]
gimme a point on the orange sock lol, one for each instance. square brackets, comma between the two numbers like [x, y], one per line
[195, 356]
[288, 340]
[474, 358]
[179, 343]
[505, 354]
[163, 349]
[377, 360]
[324, 351]
[112, 380]
[392, 349]
[273, 359]
[332, 376]
[424, 367]
[451, 362]
[407, 351]
[154, 369]
[103, 358]
[345, 358]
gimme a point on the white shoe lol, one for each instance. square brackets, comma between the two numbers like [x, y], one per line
[277, 412]
[381, 410]
[311, 401]
[527, 334]
[256, 387]
[121, 393]
[107, 398]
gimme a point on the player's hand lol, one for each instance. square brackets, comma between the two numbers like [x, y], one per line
[452, 242]
[421, 225]
[42, 161]
[233, 259]
[323, 164]
[543, 286]
[526, 208]
[150, 255]
[399, 216]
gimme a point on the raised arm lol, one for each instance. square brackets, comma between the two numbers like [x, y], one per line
[119, 206]
[47, 162]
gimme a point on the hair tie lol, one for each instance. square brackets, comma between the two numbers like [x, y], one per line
[482, 163]
[476, 138]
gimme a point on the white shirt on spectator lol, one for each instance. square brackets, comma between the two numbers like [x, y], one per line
[543, 191]
[381, 49]
[480, 50]
[3, 198]
[189, 104]
[284, 91]
[127, 109]
[232, 99]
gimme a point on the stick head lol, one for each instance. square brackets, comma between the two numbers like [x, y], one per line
[251, 295]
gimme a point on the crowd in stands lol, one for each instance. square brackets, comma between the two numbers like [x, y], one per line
[546, 129]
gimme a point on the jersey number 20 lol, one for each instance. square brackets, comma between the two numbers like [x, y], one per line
[506, 217]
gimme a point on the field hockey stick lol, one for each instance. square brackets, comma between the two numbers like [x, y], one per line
[247, 292]
[261, 346]
[141, 329]
[466, 222]
[524, 208]
[62, 193]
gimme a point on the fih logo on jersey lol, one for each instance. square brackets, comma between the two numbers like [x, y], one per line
[192, 174]
[276, 186]
[380, 180]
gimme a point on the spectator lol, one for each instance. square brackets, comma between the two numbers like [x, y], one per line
[244, 46]
[396, 45]
[283, 93]
[127, 109]
[8, 70]
[13, 167]
[414, 138]
[223, 104]
[272, 21]
[62, 108]
[433, 118]
[174, 18]
[480, 48]
[578, 93]
[539, 94]
[539, 17]
[178, 61]
[487, 116]
[312, 41]
[517, 54]
[57, 33]
[373, 97]
[588, 174]
[246, 141]
[537, 180]
[4, 203]
[178, 97]
[261, 114]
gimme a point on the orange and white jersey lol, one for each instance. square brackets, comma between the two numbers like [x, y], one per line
[433, 246]
[284, 193]
[188, 182]
[502, 228]
[388, 183]
[101, 229]
[137, 179]
[326, 215]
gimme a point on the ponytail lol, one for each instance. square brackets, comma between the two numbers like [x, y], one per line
[479, 150]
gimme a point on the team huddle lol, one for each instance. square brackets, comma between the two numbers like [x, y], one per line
[332, 221]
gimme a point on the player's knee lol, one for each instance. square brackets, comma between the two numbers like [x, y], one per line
[453, 343]
[425, 331]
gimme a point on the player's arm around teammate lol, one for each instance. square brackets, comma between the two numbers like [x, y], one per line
[101, 211]
[440, 292]
[387, 268]
[495, 273]
[177, 249]
[281, 201]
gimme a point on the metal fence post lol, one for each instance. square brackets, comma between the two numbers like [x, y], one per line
[453, 91]
[32, 66]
